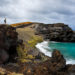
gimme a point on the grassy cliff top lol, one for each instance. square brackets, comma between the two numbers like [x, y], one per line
[30, 39]
[22, 23]
[28, 34]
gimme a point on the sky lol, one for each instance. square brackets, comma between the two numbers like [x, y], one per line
[45, 11]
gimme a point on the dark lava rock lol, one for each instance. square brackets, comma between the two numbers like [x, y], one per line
[56, 65]
[8, 43]
[58, 60]
[56, 32]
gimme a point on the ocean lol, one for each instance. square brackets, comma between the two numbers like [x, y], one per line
[67, 49]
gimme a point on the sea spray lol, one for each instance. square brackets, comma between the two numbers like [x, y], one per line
[43, 47]
[70, 61]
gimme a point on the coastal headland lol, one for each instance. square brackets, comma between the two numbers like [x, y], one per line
[19, 56]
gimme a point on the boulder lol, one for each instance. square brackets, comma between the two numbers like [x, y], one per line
[58, 60]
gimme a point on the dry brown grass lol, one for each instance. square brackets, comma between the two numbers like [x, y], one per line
[26, 33]
[18, 24]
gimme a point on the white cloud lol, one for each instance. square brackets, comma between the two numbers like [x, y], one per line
[47, 11]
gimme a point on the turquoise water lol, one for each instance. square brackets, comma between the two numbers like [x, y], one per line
[67, 49]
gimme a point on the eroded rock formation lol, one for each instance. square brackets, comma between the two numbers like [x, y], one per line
[8, 43]
[56, 32]
[56, 65]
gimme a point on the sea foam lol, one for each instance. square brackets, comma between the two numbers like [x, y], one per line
[43, 47]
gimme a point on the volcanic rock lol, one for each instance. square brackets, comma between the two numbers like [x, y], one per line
[59, 32]
[8, 43]
[58, 60]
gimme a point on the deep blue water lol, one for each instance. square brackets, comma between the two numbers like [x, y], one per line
[67, 49]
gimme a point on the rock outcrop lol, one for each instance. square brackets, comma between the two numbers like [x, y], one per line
[56, 65]
[58, 60]
[56, 32]
[8, 43]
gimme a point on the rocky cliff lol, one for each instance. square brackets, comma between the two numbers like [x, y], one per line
[56, 32]
[14, 46]
[17, 57]
[56, 65]
[8, 43]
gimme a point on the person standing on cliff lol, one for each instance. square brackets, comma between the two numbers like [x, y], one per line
[5, 20]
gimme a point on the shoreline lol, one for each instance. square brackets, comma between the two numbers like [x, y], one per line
[43, 47]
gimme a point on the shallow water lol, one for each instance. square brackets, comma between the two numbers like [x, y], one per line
[67, 49]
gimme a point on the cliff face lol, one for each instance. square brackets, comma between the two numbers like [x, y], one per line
[56, 32]
[18, 45]
[8, 43]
